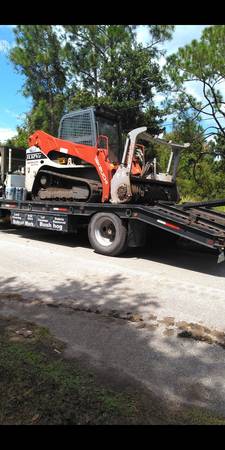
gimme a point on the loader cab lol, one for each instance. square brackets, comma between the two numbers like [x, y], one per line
[95, 126]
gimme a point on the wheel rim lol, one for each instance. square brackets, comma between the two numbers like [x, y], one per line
[105, 232]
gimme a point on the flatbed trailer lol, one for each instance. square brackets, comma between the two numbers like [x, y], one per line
[111, 227]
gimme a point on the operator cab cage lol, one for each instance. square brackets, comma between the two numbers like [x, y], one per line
[87, 126]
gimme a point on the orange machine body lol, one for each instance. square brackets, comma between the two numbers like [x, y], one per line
[95, 156]
[98, 157]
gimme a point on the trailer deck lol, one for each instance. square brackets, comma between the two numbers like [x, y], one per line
[193, 221]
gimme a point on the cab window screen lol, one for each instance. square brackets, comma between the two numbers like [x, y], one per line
[110, 128]
[78, 128]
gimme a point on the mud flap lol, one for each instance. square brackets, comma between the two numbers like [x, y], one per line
[4, 217]
[221, 257]
[136, 233]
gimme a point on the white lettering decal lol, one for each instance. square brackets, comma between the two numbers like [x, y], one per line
[101, 170]
[63, 150]
[57, 227]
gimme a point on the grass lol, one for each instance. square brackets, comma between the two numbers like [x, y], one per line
[188, 199]
[39, 386]
[220, 208]
[192, 199]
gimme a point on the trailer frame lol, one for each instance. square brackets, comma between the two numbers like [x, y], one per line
[195, 222]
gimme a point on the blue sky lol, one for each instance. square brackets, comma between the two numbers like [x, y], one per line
[13, 105]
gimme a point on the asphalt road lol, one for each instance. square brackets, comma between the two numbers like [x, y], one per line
[157, 287]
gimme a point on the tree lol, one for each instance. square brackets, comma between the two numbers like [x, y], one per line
[200, 174]
[20, 140]
[75, 66]
[202, 62]
[37, 55]
[108, 66]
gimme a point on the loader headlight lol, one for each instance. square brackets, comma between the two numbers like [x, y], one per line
[43, 181]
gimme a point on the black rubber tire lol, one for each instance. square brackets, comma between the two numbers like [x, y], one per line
[119, 243]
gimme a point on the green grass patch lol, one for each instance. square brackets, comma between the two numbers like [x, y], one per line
[220, 208]
[39, 386]
[188, 199]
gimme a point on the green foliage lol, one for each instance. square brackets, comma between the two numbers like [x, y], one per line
[201, 176]
[83, 65]
[202, 61]
[218, 145]
[161, 33]
[204, 58]
[20, 140]
[107, 66]
[37, 55]
[201, 173]
[46, 117]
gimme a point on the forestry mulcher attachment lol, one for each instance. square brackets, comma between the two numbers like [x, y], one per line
[85, 163]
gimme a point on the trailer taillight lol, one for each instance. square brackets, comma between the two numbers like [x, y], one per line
[170, 225]
[61, 209]
[10, 205]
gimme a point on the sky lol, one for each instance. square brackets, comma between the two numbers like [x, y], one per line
[13, 105]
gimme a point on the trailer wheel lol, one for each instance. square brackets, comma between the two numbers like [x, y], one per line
[107, 234]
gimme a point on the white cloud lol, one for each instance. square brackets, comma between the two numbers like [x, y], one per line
[142, 34]
[11, 113]
[194, 88]
[6, 133]
[159, 98]
[8, 26]
[182, 35]
[161, 61]
[4, 46]
[15, 115]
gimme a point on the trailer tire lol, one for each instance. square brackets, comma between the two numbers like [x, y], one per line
[107, 234]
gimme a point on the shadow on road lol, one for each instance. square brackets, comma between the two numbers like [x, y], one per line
[183, 254]
[161, 247]
[173, 368]
[57, 238]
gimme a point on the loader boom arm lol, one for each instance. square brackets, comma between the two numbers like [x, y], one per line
[97, 157]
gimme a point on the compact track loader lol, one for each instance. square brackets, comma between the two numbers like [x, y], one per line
[85, 179]
[86, 162]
